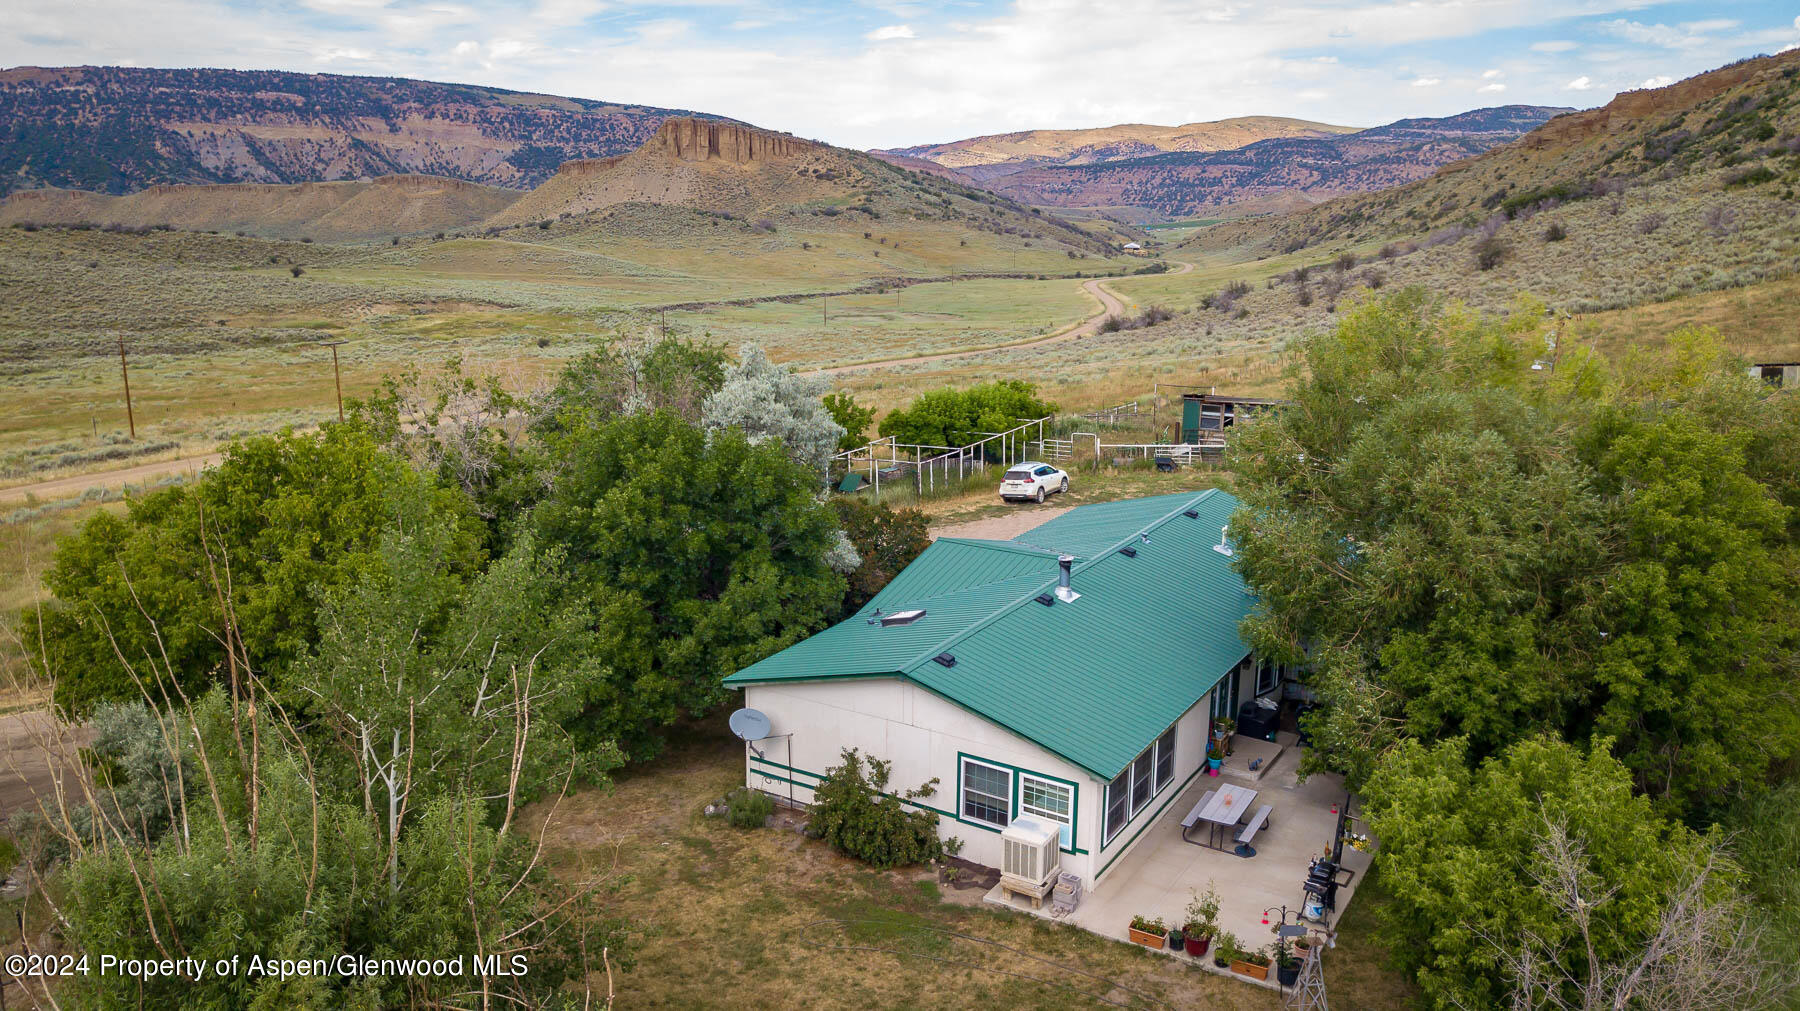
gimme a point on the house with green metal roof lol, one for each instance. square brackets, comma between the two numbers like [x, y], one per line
[1069, 675]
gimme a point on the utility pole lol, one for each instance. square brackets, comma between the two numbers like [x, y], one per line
[665, 323]
[125, 374]
[336, 376]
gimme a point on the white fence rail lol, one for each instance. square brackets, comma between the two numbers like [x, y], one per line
[1181, 454]
[928, 469]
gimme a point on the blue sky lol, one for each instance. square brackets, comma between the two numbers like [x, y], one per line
[887, 73]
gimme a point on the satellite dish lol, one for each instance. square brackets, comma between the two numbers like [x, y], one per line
[750, 724]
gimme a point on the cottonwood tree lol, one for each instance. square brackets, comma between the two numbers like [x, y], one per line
[698, 552]
[633, 375]
[270, 851]
[1705, 951]
[1459, 550]
[425, 685]
[1463, 853]
[279, 521]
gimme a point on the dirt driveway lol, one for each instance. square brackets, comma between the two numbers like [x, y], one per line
[1003, 527]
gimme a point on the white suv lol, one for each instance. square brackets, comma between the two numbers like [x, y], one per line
[1034, 481]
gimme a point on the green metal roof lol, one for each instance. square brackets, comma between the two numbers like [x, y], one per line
[1147, 639]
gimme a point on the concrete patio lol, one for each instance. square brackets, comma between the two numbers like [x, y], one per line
[1159, 876]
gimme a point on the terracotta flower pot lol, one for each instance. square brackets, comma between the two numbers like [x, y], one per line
[1146, 938]
[1250, 969]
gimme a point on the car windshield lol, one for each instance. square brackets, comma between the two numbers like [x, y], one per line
[1017, 475]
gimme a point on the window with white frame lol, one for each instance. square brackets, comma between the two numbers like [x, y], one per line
[1165, 759]
[1139, 784]
[986, 793]
[1225, 693]
[1118, 803]
[1049, 800]
[1268, 677]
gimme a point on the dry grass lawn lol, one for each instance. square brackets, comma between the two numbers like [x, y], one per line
[723, 917]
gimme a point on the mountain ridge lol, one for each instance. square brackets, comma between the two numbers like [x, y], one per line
[121, 129]
[990, 155]
[1290, 170]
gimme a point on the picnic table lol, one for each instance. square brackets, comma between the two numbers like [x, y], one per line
[1223, 809]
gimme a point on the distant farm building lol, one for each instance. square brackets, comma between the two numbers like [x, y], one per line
[1781, 375]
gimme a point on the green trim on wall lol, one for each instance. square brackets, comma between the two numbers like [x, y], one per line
[1150, 820]
[1074, 797]
[940, 812]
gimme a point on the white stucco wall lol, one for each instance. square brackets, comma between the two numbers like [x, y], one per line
[925, 736]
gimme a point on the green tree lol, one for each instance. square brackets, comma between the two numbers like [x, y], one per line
[629, 375]
[421, 678]
[1459, 551]
[1469, 855]
[1696, 673]
[886, 539]
[852, 417]
[281, 520]
[700, 553]
[962, 417]
[274, 866]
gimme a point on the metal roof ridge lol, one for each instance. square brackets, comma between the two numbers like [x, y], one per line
[1016, 547]
[1113, 549]
[1040, 586]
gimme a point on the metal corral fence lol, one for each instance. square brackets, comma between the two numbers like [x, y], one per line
[927, 469]
[1207, 450]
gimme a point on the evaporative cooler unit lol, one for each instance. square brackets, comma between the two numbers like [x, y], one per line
[1032, 857]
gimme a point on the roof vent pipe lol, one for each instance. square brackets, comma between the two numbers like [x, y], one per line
[1063, 592]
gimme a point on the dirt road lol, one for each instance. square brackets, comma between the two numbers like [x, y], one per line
[68, 487]
[1110, 305]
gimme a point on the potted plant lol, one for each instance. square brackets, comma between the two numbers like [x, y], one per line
[1226, 950]
[1202, 920]
[1254, 964]
[1215, 757]
[1287, 967]
[1149, 933]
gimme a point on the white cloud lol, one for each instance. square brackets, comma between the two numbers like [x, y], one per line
[887, 32]
[1687, 35]
[1659, 81]
[1488, 75]
[1492, 89]
[1579, 84]
[1553, 46]
[1427, 82]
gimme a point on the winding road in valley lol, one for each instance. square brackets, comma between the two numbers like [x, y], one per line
[1111, 304]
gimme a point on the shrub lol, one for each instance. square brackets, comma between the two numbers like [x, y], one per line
[747, 808]
[296, 270]
[853, 814]
[1651, 222]
[949, 417]
[1555, 233]
[1489, 252]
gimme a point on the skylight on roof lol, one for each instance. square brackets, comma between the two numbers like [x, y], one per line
[902, 617]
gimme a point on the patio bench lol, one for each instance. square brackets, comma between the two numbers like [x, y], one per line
[1194, 815]
[1255, 824]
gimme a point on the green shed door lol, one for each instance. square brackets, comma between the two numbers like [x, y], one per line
[1190, 419]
